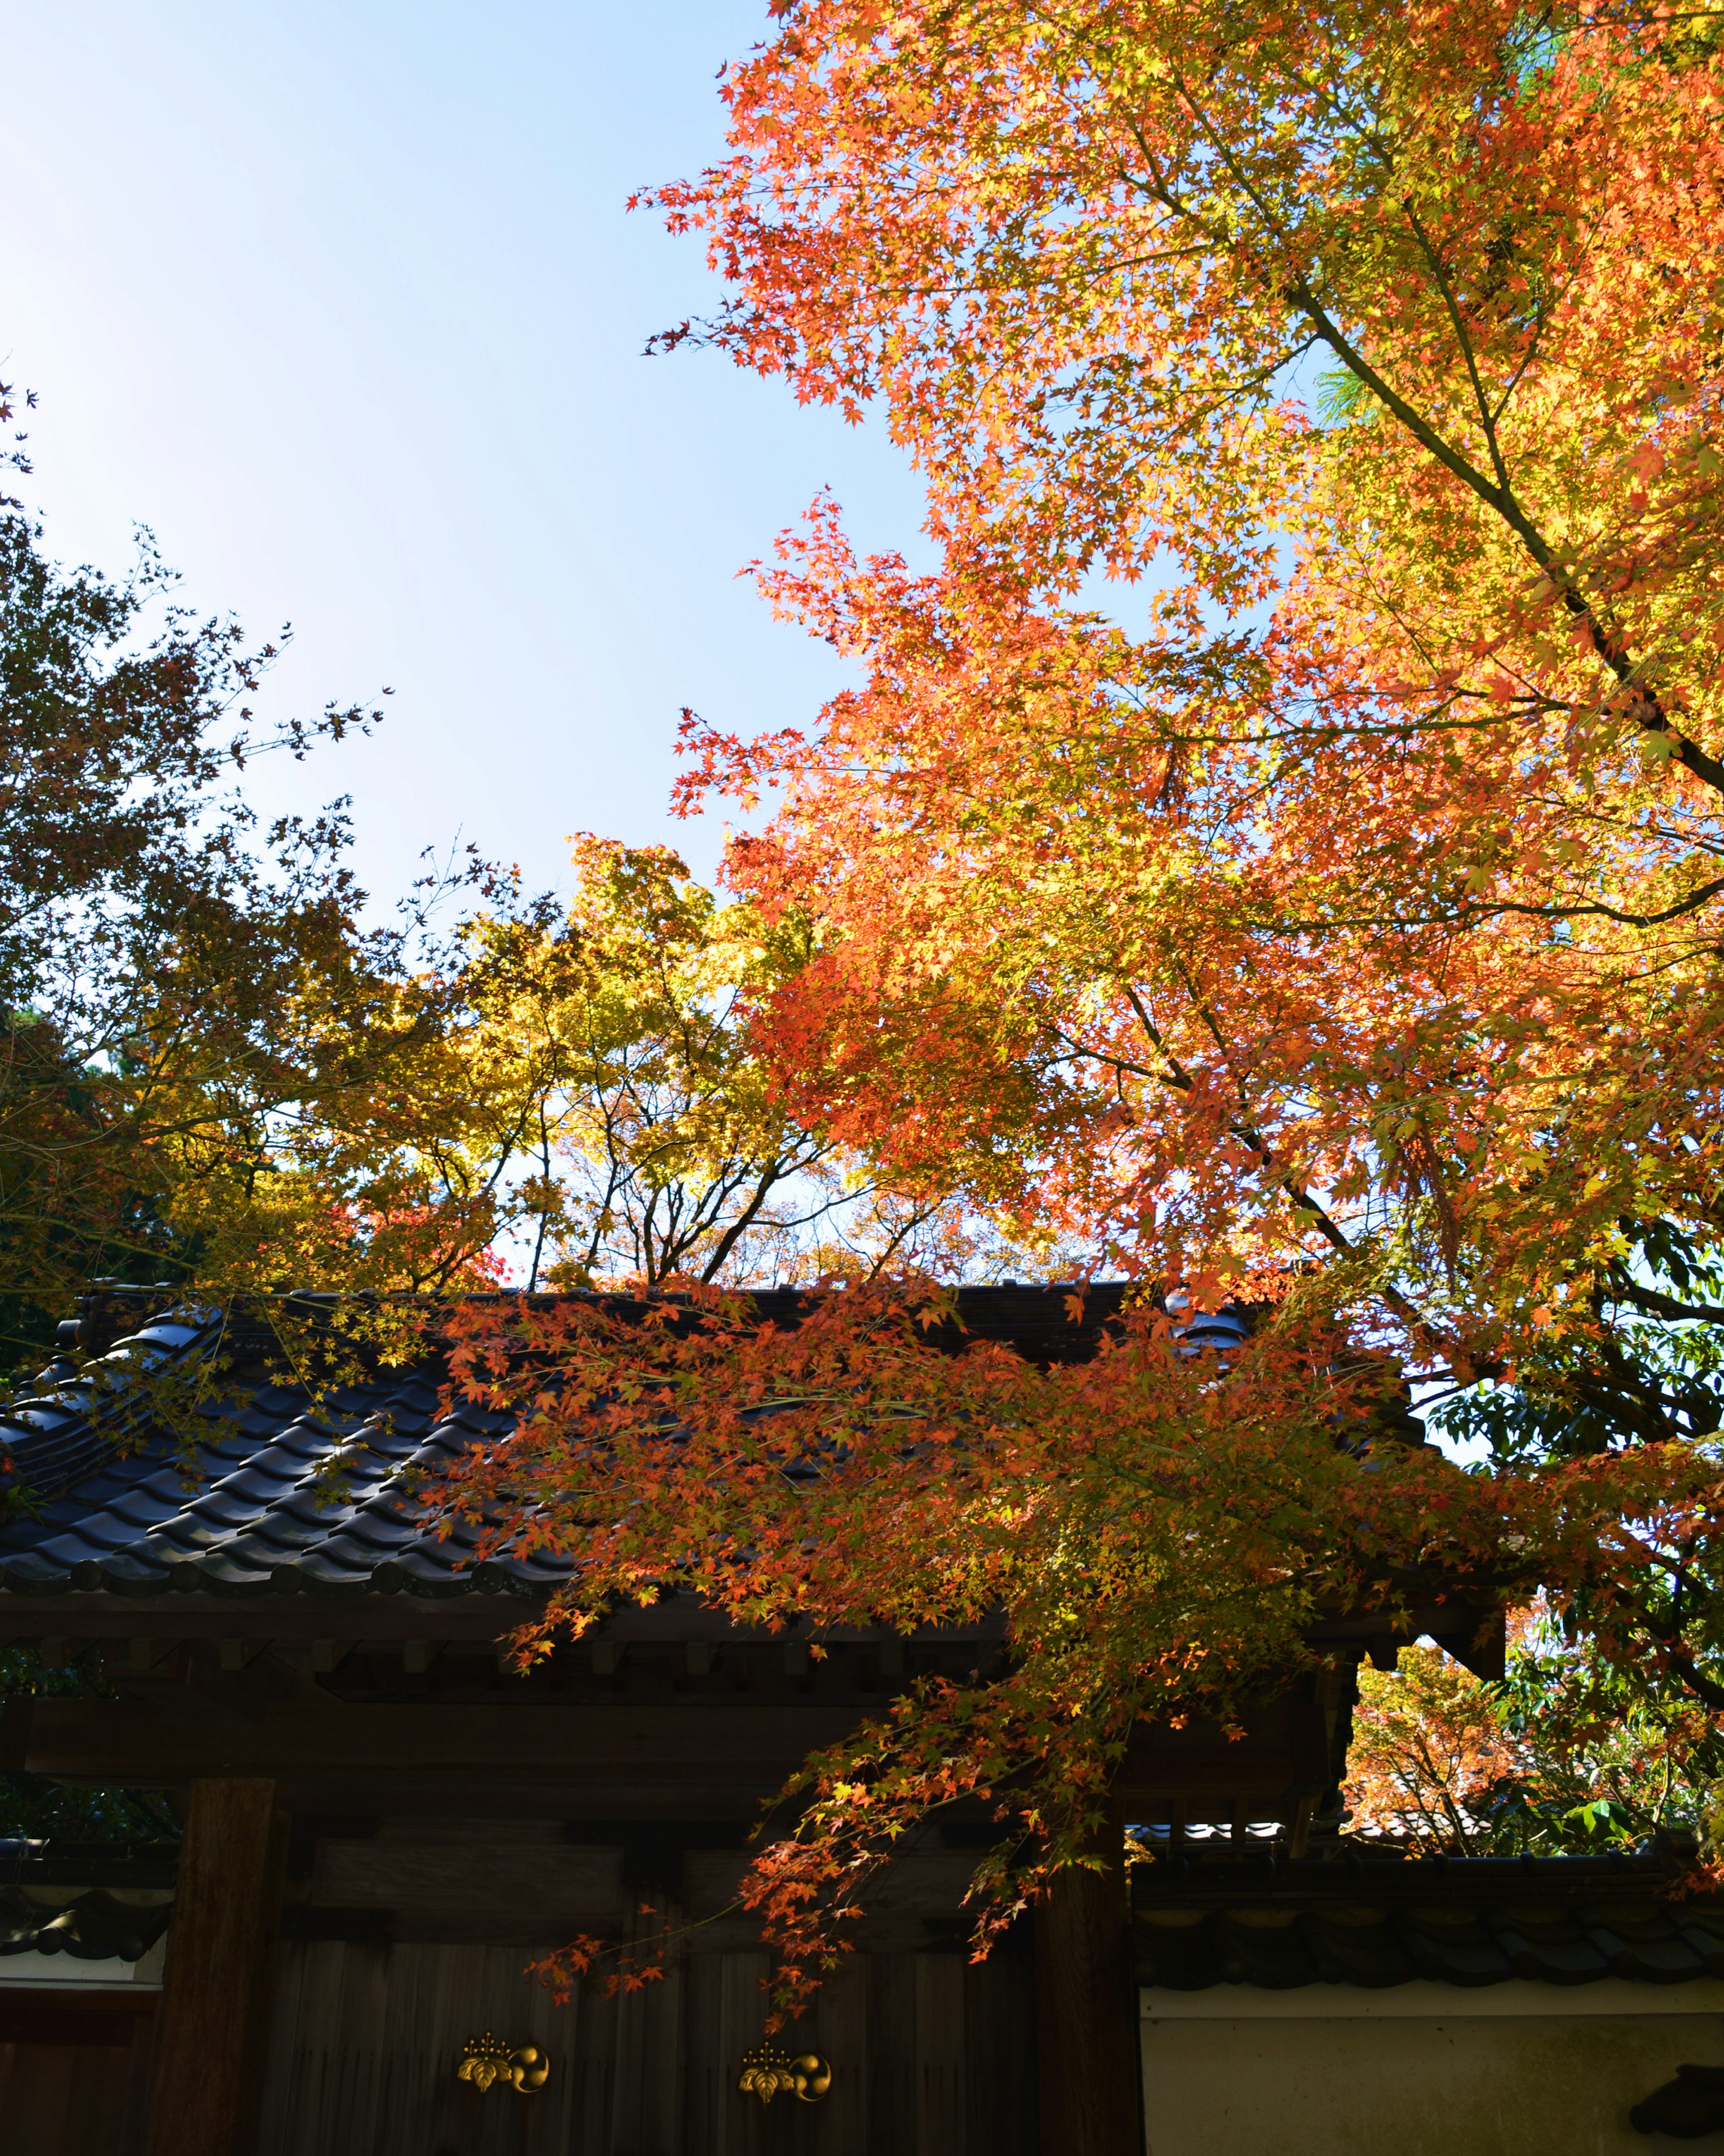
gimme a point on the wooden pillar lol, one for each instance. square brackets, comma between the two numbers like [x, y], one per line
[1086, 2018]
[213, 2020]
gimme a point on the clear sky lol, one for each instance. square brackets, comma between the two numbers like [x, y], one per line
[340, 297]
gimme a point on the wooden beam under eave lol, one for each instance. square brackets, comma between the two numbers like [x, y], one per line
[1086, 2018]
[213, 2020]
[716, 1738]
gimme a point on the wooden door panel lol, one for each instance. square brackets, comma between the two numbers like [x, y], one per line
[73, 2072]
[930, 2056]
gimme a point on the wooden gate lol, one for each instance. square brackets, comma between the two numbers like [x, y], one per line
[931, 2056]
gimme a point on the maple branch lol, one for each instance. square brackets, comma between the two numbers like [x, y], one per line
[1680, 1660]
[1467, 912]
[1649, 713]
[772, 1173]
[896, 1241]
[1290, 1184]
[1689, 905]
[1452, 307]
[1658, 1304]
[1286, 1180]
[532, 1279]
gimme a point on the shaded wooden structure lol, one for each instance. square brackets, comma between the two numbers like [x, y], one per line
[381, 1822]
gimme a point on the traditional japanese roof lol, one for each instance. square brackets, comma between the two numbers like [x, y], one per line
[122, 1508]
[92, 1901]
[1379, 1921]
[111, 1504]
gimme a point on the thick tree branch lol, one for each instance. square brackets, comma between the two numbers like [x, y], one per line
[1656, 1304]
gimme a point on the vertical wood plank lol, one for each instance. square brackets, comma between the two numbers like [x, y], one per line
[328, 2054]
[211, 2029]
[411, 2094]
[891, 2052]
[283, 2083]
[704, 2093]
[743, 2007]
[366, 1971]
[999, 2054]
[559, 2033]
[662, 2068]
[139, 2070]
[596, 2064]
[628, 2072]
[405, 2098]
[940, 2055]
[840, 2031]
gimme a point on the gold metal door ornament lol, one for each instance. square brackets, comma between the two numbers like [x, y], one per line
[488, 2062]
[770, 2072]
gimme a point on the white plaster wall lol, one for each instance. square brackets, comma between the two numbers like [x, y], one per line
[64, 1972]
[1449, 2084]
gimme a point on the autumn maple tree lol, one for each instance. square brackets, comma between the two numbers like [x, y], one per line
[1566, 1752]
[1273, 853]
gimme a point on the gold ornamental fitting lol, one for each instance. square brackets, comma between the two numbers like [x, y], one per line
[768, 2072]
[488, 2062]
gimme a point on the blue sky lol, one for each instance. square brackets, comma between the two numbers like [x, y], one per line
[343, 301]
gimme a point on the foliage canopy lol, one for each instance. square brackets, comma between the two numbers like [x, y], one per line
[1275, 853]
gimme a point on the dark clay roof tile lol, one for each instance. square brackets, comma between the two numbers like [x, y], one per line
[1265, 1947]
[415, 1570]
[1558, 1953]
[105, 1533]
[1643, 1960]
[142, 1508]
[131, 1571]
[1446, 1952]
[224, 1510]
[254, 1486]
[1345, 1950]
[69, 1550]
[223, 1572]
[31, 1572]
